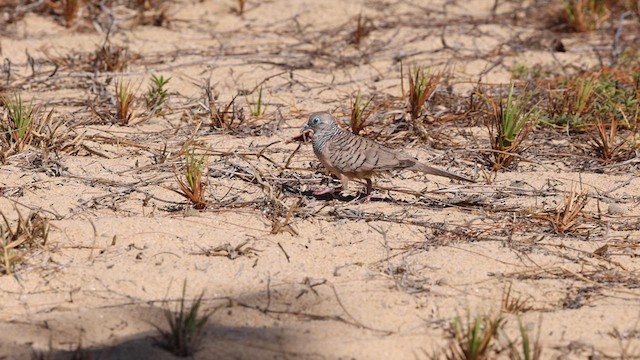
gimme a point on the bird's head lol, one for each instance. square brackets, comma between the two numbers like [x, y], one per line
[320, 121]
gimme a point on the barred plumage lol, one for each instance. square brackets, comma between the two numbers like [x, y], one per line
[350, 156]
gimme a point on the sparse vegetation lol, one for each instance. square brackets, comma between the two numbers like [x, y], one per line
[125, 98]
[192, 181]
[157, 94]
[472, 337]
[18, 122]
[257, 108]
[17, 241]
[606, 142]
[108, 162]
[509, 124]
[422, 84]
[565, 217]
[585, 15]
[513, 304]
[185, 326]
[525, 348]
[360, 112]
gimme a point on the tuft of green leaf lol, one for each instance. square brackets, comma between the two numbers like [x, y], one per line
[157, 93]
[18, 125]
[360, 112]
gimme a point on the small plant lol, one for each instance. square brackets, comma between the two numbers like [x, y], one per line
[527, 350]
[258, 108]
[606, 142]
[16, 242]
[69, 9]
[185, 327]
[193, 187]
[566, 216]
[421, 86]
[124, 102]
[473, 338]
[363, 28]
[222, 117]
[18, 124]
[585, 15]
[157, 94]
[514, 305]
[573, 103]
[360, 112]
[509, 126]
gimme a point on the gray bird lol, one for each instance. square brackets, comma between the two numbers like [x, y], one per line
[350, 156]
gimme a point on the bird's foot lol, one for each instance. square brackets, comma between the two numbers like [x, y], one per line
[323, 191]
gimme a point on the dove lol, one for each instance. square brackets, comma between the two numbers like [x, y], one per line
[350, 156]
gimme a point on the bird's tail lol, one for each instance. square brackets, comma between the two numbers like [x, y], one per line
[435, 171]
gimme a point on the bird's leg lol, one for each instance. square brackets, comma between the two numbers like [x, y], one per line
[368, 191]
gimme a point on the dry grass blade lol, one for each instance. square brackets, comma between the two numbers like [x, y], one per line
[16, 242]
[193, 187]
[514, 305]
[364, 26]
[566, 216]
[70, 9]
[421, 86]
[605, 141]
[241, 5]
[221, 117]
[360, 112]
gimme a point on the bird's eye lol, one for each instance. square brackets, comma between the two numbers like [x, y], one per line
[315, 120]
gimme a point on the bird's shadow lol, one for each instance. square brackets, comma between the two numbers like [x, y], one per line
[360, 196]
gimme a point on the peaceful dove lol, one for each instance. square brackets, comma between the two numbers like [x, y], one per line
[350, 156]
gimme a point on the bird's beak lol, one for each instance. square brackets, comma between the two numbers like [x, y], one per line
[306, 127]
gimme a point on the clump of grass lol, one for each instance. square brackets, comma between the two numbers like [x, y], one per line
[69, 9]
[185, 326]
[473, 337]
[514, 305]
[110, 58]
[360, 112]
[605, 140]
[509, 125]
[566, 215]
[192, 185]
[522, 72]
[422, 85]
[157, 93]
[257, 108]
[125, 97]
[364, 26]
[527, 349]
[222, 117]
[585, 15]
[17, 124]
[16, 242]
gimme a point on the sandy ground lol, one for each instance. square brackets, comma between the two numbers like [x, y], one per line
[343, 279]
